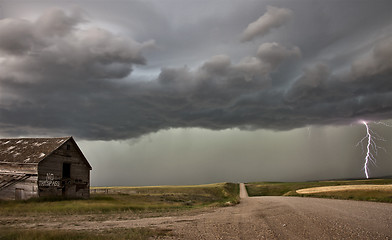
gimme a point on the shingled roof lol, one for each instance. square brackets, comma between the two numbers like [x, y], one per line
[28, 150]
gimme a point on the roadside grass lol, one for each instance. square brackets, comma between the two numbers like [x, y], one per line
[118, 234]
[135, 199]
[289, 189]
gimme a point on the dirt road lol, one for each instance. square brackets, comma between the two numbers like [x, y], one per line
[260, 218]
[243, 192]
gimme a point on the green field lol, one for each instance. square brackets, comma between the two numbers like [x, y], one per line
[289, 189]
[135, 199]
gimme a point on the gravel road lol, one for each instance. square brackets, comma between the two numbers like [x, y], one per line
[290, 218]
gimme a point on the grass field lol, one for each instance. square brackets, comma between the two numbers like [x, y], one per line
[121, 199]
[111, 203]
[290, 189]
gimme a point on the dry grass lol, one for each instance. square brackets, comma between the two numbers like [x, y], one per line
[370, 187]
[379, 190]
[118, 234]
[129, 199]
[371, 192]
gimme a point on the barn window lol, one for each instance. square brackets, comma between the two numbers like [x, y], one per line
[68, 147]
[66, 170]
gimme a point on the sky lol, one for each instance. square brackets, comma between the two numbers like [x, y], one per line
[187, 92]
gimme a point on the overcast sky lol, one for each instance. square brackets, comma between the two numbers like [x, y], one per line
[183, 92]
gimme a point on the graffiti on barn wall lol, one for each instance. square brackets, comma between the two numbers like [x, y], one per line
[49, 181]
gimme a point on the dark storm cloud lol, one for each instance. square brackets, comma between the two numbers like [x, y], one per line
[53, 47]
[61, 75]
[376, 62]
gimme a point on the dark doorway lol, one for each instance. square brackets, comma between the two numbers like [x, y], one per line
[66, 170]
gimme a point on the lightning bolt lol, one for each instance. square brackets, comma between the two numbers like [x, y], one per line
[371, 146]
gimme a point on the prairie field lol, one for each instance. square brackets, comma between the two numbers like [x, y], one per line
[129, 199]
[39, 216]
[379, 190]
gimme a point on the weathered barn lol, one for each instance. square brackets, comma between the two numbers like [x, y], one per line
[36, 167]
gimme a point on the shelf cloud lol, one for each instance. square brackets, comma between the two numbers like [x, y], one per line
[63, 73]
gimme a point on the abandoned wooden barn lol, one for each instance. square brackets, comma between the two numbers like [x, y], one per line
[37, 167]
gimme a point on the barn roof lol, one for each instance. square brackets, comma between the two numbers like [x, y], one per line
[28, 150]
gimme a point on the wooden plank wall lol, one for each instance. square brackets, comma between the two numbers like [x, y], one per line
[28, 187]
[50, 173]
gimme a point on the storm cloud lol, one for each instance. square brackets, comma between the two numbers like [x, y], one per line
[62, 73]
[273, 18]
[53, 47]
